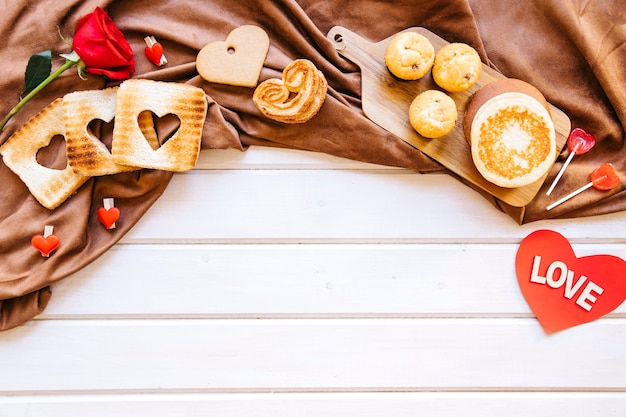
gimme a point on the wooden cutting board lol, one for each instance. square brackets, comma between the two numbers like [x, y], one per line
[386, 102]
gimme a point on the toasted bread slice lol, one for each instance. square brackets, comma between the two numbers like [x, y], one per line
[49, 186]
[180, 151]
[86, 153]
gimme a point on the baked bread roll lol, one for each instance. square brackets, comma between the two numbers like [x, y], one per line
[295, 98]
[432, 113]
[409, 55]
[511, 133]
[49, 186]
[130, 145]
[457, 67]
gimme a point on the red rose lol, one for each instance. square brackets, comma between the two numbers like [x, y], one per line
[98, 47]
[102, 46]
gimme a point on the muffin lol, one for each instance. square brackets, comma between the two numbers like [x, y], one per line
[511, 133]
[432, 114]
[456, 67]
[409, 56]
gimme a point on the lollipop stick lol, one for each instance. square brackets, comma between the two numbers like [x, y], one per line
[567, 197]
[560, 174]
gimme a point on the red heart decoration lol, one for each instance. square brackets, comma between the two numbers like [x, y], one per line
[45, 245]
[604, 177]
[108, 217]
[580, 142]
[154, 53]
[563, 290]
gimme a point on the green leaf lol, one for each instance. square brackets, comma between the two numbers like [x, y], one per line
[38, 69]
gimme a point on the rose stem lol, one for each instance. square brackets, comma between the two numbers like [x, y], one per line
[36, 90]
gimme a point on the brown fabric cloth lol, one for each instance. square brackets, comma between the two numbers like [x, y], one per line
[571, 50]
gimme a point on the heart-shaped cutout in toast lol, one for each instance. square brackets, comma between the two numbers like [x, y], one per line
[53, 155]
[87, 153]
[158, 130]
[50, 186]
[236, 61]
[184, 104]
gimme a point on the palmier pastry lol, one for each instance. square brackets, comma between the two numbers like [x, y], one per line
[295, 98]
[511, 133]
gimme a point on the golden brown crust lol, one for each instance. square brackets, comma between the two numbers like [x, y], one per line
[49, 186]
[409, 55]
[86, 153]
[180, 151]
[433, 114]
[487, 92]
[457, 67]
[236, 61]
[295, 98]
[511, 133]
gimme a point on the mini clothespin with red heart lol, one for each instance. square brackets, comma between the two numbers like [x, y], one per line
[108, 214]
[154, 51]
[47, 242]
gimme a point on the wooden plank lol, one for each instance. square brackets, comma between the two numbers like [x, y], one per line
[444, 404]
[116, 356]
[262, 157]
[346, 206]
[169, 326]
[330, 280]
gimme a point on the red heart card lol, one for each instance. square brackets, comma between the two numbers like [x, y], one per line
[563, 290]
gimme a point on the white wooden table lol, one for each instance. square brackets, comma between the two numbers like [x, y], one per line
[283, 283]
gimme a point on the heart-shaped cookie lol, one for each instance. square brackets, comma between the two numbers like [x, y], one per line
[236, 61]
[563, 290]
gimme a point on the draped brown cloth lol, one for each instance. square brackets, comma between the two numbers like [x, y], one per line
[572, 50]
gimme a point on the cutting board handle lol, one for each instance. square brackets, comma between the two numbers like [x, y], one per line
[359, 50]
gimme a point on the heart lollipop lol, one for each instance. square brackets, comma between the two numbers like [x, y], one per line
[603, 178]
[578, 143]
